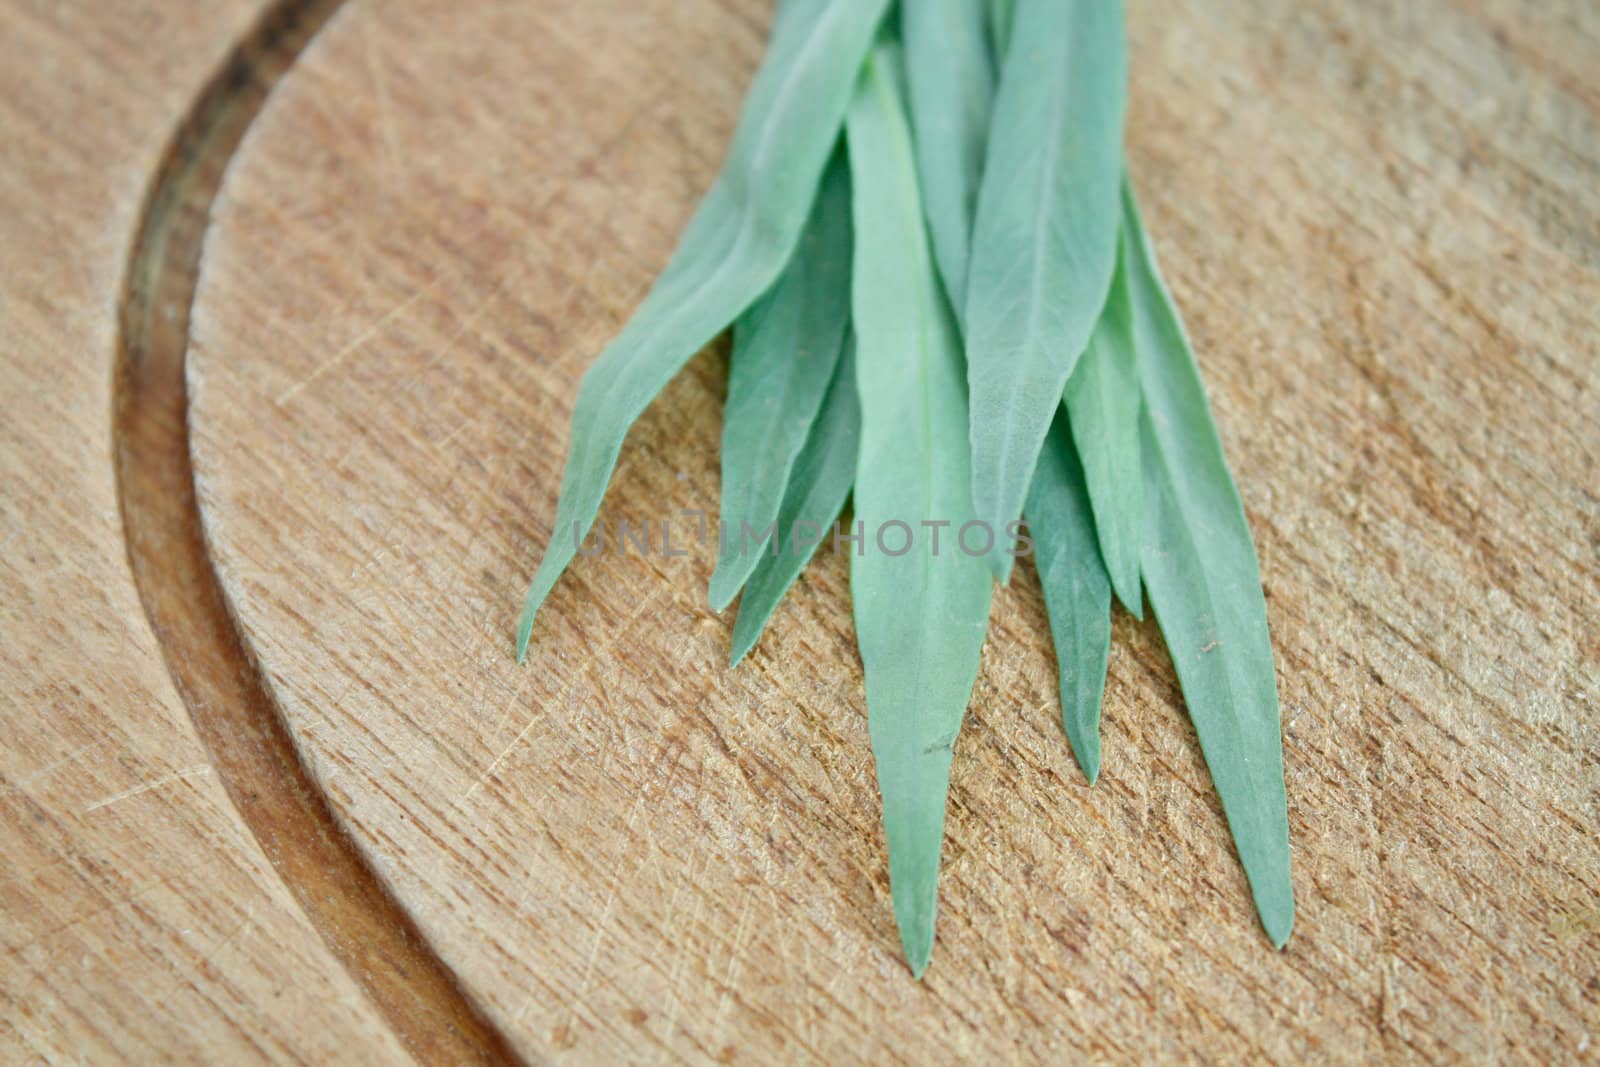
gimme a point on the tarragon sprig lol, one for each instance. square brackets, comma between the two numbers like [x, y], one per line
[947, 305]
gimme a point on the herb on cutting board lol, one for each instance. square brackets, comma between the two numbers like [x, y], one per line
[945, 307]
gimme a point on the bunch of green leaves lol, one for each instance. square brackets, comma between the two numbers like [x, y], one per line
[945, 308]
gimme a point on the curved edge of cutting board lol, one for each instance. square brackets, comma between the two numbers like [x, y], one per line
[233, 709]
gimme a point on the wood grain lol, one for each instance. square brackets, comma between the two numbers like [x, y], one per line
[233, 712]
[1383, 223]
[141, 921]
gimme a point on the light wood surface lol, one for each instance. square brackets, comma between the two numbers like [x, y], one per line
[1383, 224]
[139, 919]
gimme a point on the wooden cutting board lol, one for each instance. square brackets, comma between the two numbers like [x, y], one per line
[296, 298]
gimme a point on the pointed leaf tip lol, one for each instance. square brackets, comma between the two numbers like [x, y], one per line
[818, 486]
[1076, 587]
[918, 964]
[916, 905]
[1280, 926]
[724, 587]
[524, 633]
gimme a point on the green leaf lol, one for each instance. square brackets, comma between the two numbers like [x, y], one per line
[1077, 591]
[1205, 586]
[739, 240]
[921, 616]
[817, 490]
[1045, 242]
[951, 75]
[785, 350]
[1102, 402]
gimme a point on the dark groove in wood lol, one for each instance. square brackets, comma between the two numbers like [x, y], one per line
[232, 708]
